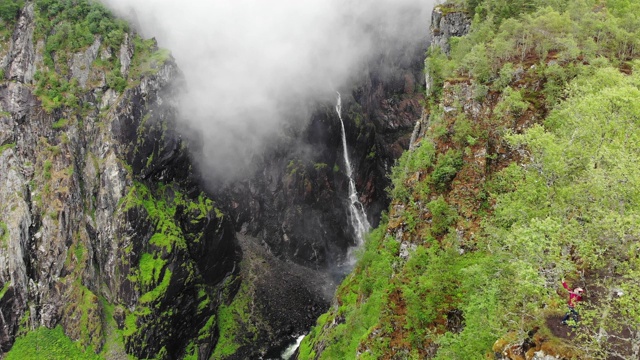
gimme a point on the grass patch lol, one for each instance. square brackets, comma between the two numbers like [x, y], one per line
[51, 344]
[60, 124]
[5, 147]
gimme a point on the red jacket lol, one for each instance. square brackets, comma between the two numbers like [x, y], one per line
[574, 297]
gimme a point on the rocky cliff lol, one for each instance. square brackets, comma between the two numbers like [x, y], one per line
[447, 21]
[105, 230]
[297, 199]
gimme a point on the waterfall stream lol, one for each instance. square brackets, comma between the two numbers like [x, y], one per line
[288, 352]
[357, 215]
[357, 218]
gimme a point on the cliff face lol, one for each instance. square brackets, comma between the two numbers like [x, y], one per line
[100, 214]
[297, 200]
[446, 22]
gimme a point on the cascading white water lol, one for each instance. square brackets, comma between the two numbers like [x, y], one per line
[288, 352]
[357, 215]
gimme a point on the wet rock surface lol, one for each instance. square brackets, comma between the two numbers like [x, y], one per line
[289, 299]
[296, 202]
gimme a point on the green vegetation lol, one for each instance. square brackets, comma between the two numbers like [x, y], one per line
[67, 27]
[231, 318]
[150, 269]
[9, 9]
[165, 207]
[5, 287]
[6, 147]
[497, 206]
[159, 290]
[147, 58]
[362, 288]
[446, 169]
[60, 124]
[320, 166]
[47, 169]
[70, 26]
[44, 343]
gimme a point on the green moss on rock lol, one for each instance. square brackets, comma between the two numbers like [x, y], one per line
[52, 344]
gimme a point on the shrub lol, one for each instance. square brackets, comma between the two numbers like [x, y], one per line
[442, 215]
[9, 9]
[512, 104]
[446, 169]
[47, 169]
[60, 124]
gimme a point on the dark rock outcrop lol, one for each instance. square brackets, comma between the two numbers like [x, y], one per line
[448, 22]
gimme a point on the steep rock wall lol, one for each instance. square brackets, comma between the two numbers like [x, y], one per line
[297, 201]
[446, 22]
[100, 212]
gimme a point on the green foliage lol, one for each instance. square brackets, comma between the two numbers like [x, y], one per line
[477, 63]
[79, 252]
[5, 147]
[68, 27]
[9, 9]
[320, 166]
[162, 212]
[115, 81]
[505, 77]
[408, 164]
[165, 206]
[463, 131]
[5, 287]
[60, 124]
[147, 58]
[361, 296]
[508, 31]
[446, 169]
[130, 325]
[159, 290]
[512, 104]
[230, 319]
[442, 215]
[47, 169]
[438, 69]
[72, 24]
[579, 192]
[4, 236]
[150, 269]
[44, 343]
[55, 91]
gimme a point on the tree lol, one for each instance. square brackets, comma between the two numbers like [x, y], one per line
[9, 9]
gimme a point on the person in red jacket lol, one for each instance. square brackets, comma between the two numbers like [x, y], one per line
[575, 296]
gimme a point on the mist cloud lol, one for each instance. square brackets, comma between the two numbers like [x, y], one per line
[252, 66]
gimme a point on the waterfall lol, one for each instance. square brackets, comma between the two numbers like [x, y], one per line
[288, 352]
[357, 215]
